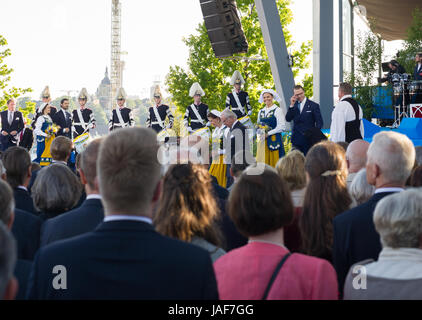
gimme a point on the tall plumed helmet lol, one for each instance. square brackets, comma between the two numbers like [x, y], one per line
[237, 78]
[196, 89]
[83, 95]
[121, 94]
[45, 94]
[156, 92]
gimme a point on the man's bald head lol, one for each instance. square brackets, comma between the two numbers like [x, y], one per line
[356, 155]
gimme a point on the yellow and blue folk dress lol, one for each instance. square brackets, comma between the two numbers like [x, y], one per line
[218, 167]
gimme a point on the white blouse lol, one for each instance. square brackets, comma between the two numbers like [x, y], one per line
[280, 116]
[39, 123]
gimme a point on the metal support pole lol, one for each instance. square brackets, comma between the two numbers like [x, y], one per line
[323, 38]
[276, 49]
[340, 41]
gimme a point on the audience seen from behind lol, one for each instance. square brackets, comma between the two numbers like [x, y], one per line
[415, 179]
[360, 190]
[90, 214]
[390, 159]
[397, 272]
[9, 264]
[55, 191]
[292, 169]
[356, 158]
[326, 196]
[8, 283]
[17, 163]
[61, 148]
[188, 210]
[124, 258]
[260, 206]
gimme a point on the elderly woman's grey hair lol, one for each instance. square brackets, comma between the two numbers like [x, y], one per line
[398, 219]
[56, 189]
[360, 190]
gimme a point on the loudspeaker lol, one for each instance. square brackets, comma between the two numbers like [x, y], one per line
[224, 27]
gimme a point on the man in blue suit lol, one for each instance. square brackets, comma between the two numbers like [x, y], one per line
[305, 115]
[63, 119]
[90, 214]
[391, 157]
[124, 257]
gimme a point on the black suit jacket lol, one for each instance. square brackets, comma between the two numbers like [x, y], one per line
[59, 119]
[22, 271]
[309, 118]
[75, 222]
[238, 140]
[124, 260]
[24, 201]
[17, 125]
[355, 237]
[26, 229]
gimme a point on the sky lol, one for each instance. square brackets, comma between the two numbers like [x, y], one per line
[66, 43]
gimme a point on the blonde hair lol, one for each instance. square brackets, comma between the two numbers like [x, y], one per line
[292, 169]
[128, 170]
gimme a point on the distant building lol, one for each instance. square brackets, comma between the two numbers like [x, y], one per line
[103, 92]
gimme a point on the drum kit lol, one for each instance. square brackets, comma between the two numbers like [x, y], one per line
[403, 87]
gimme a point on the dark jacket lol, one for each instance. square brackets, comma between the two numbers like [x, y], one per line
[75, 222]
[355, 238]
[22, 271]
[26, 229]
[16, 125]
[59, 119]
[123, 260]
[24, 201]
[309, 118]
[238, 141]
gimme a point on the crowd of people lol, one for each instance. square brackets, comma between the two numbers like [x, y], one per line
[123, 226]
[129, 219]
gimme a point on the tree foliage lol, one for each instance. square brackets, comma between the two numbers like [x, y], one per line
[367, 53]
[214, 74]
[5, 77]
[413, 43]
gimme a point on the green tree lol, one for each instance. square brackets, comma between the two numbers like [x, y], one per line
[213, 74]
[5, 77]
[367, 53]
[413, 43]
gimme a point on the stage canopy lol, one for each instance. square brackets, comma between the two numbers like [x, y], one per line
[391, 17]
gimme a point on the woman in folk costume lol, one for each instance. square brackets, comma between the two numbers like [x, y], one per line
[45, 134]
[196, 114]
[157, 115]
[271, 119]
[46, 99]
[218, 168]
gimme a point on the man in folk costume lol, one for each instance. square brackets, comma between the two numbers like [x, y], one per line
[238, 100]
[121, 116]
[83, 118]
[158, 113]
[196, 114]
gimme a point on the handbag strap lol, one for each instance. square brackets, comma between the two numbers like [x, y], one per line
[275, 273]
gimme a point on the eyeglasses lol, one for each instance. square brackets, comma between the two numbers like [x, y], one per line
[157, 97]
[120, 99]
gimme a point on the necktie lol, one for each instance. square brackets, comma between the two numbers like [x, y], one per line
[10, 118]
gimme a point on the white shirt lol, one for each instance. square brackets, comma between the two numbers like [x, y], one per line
[38, 125]
[342, 113]
[93, 196]
[10, 115]
[131, 218]
[389, 189]
[398, 264]
[280, 116]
